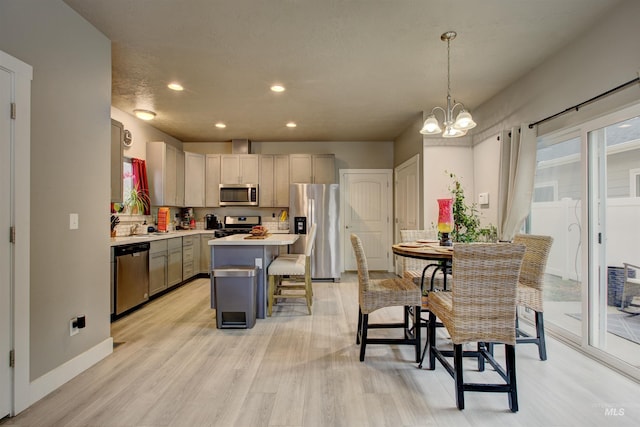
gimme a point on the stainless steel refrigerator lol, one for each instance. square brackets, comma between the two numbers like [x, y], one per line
[319, 204]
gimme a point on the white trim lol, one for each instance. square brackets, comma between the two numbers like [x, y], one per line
[68, 370]
[633, 174]
[21, 192]
[343, 232]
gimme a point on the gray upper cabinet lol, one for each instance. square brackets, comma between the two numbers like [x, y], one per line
[312, 168]
[162, 171]
[212, 180]
[180, 178]
[117, 139]
[274, 180]
[194, 179]
[239, 168]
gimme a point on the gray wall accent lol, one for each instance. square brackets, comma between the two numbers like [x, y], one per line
[349, 154]
[605, 56]
[408, 144]
[70, 135]
[141, 133]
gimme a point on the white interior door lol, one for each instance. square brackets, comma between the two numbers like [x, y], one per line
[407, 197]
[5, 245]
[367, 212]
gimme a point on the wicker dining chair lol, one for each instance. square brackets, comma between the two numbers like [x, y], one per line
[530, 286]
[376, 294]
[480, 308]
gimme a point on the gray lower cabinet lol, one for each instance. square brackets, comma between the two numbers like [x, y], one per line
[190, 256]
[205, 253]
[157, 266]
[174, 267]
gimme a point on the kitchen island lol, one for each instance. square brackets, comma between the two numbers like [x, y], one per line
[237, 250]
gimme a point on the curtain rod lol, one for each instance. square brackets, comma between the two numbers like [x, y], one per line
[588, 101]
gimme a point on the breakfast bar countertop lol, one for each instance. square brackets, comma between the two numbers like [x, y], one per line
[239, 239]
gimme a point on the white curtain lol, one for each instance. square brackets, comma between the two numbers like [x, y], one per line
[517, 171]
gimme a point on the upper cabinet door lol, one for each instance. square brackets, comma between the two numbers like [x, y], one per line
[300, 168]
[180, 178]
[312, 168]
[266, 181]
[162, 173]
[239, 169]
[281, 180]
[212, 180]
[194, 180]
[324, 168]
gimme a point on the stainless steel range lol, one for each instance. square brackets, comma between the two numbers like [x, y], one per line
[238, 225]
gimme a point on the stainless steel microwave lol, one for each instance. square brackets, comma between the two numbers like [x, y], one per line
[238, 194]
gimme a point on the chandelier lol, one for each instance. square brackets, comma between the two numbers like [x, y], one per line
[464, 121]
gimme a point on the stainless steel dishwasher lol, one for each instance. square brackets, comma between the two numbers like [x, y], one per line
[131, 276]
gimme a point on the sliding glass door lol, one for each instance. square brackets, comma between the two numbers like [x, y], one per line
[557, 211]
[614, 233]
[587, 196]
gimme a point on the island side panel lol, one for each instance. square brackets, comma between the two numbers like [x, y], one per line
[224, 255]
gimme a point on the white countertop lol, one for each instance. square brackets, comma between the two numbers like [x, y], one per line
[125, 240]
[239, 240]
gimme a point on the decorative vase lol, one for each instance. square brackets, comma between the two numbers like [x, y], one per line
[445, 221]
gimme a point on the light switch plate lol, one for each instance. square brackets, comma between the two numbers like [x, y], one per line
[483, 198]
[258, 262]
[73, 221]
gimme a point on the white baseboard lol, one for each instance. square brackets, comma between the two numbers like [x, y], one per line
[50, 381]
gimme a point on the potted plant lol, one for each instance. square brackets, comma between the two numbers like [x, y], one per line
[466, 218]
[137, 201]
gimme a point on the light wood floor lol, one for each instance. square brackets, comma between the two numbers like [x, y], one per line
[172, 367]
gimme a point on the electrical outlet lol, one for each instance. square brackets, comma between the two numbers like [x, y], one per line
[258, 262]
[73, 328]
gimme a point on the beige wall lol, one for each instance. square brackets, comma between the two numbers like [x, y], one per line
[141, 133]
[70, 135]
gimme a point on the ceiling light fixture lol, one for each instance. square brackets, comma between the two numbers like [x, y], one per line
[175, 86]
[277, 88]
[464, 121]
[291, 125]
[144, 114]
[220, 125]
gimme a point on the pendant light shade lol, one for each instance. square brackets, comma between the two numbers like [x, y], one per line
[464, 121]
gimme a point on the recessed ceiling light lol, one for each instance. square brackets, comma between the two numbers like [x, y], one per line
[291, 125]
[626, 125]
[277, 88]
[175, 86]
[144, 114]
[220, 125]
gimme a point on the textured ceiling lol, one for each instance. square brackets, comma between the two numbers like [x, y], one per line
[355, 70]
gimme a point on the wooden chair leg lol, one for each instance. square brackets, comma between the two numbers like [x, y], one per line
[308, 292]
[542, 346]
[510, 356]
[270, 296]
[457, 368]
[363, 338]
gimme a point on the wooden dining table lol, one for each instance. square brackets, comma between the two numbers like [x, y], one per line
[427, 251]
